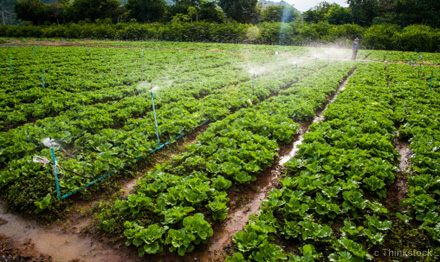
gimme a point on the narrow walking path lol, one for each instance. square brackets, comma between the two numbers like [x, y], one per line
[256, 194]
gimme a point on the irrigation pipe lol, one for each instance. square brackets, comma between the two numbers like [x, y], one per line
[126, 165]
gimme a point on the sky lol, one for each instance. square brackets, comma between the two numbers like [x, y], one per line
[304, 5]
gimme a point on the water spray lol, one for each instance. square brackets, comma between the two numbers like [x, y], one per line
[154, 113]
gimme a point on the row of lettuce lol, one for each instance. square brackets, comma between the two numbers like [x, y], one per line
[332, 52]
[415, 57]
[176, 204]
[419, 112]
[331, 206]
[113, 75]
[93, 145]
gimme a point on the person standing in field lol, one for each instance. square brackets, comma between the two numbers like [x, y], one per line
[355, 48]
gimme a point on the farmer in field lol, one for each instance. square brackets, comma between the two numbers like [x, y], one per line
[355, 48]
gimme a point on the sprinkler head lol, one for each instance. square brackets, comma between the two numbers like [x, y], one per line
[50, 142]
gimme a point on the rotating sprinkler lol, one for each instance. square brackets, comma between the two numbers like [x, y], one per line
[51, 144]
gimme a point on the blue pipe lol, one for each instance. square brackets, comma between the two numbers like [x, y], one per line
[55, 172]
[42, 79]
[10, 63]
[129, 163]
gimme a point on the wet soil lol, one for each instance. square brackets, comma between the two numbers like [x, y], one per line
[164, 156]
[29, 238]
[248, 200]
[397, 191]
[70, 240]
[20, 251]
[73, 238]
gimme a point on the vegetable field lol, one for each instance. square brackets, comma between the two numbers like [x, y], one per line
[109, 107]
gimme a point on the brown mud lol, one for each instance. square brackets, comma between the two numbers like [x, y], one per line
[397, 191]
[73, 239]
[29, 238]
[20, 251]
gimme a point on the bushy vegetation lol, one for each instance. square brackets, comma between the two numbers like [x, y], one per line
[384, 36]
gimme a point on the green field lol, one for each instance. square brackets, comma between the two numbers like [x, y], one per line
[336, 200]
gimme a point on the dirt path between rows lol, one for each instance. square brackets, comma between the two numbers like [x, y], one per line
[255, 194]
[69, 240]
[72, 239]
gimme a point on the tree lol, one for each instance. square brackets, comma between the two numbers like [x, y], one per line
[280, 13]
[57, 11]
[210, 13]
[146, 10]
[364, 11]
[96, 9]
[192, 11]
[243, 11]
[188, 3]
[409, 12]
[317, 13]
[31, 10]
[7, 11]
[338, 15]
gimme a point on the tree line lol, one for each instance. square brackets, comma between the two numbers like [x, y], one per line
[360, 12]
[383, 36]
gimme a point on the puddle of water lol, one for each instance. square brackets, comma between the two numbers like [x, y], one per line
[404, 151]
[318, 118]
[400, 187]
[238, 217]
[50, 240]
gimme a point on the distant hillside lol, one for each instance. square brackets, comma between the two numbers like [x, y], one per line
[169, 2]
[268, 3]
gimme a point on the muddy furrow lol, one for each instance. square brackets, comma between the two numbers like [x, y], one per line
[397, 191]
[68, 239]
[242, 207]
[52, 242]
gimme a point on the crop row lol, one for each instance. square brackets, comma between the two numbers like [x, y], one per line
[400, 56]
[418, 112]
[329, 205]
[375, 55]
[108, 80]
[176, 204]
[94, 147]
[175, 101]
